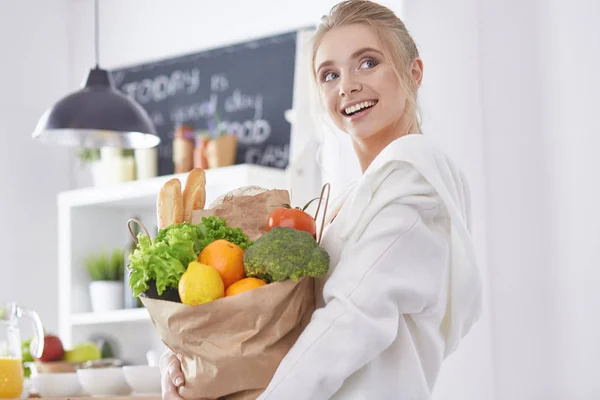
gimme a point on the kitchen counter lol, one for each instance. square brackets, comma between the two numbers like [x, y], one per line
[104, 398]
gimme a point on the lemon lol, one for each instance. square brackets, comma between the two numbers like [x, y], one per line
[199, 284]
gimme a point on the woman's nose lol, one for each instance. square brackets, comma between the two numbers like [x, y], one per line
[349, 85]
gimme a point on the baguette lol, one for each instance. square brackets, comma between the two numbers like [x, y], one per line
[194, 194]
[169, 205]
[198, 201]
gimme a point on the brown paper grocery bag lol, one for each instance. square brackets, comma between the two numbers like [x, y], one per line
[231, 347]
[249, 213]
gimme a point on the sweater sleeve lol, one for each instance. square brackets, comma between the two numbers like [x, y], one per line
[398, 266]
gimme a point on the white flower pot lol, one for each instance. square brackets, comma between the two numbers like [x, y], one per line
[106, 295]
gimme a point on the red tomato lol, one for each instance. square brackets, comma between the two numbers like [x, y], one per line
[292, 218]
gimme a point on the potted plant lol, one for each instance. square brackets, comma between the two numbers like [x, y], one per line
[88, 156]
[106, 273]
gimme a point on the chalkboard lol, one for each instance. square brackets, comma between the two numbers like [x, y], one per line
[247, 86]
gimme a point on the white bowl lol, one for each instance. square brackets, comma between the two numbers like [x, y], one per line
[143, 379]
[56, 385]
[103, 381]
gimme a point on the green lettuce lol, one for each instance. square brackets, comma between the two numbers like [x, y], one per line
[166, 258]
[215, 228]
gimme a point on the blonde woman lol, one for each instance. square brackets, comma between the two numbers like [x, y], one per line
[403, 287]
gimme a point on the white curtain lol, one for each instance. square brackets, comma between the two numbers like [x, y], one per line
[512, 91]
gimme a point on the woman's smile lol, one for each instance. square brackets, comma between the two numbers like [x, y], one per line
[357, 110]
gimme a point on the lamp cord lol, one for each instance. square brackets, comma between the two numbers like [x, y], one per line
[97, 33]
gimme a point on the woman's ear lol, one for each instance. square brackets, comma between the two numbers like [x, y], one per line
[417, 71]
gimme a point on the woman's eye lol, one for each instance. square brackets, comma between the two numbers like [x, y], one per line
[369, 63]
[329, 76]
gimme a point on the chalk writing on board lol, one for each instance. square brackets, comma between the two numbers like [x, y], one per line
[247, 87]
[219, 83]
[276, 156]
[162, 86]
[195, 111]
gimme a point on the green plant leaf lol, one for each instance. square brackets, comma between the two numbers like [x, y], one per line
[106, 267]
[88, 155]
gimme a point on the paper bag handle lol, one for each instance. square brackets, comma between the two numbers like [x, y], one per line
[137, 221]
[328, 187]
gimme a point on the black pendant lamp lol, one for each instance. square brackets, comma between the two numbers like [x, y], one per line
[97, 115]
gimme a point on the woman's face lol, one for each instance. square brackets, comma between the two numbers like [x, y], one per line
[358, 87]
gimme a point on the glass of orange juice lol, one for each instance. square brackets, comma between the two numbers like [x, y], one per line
[11, 364]
[11, 378]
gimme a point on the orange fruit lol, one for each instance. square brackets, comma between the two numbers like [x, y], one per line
[227, 258]
[244, 285]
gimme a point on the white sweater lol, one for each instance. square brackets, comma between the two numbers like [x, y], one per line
[403, 287]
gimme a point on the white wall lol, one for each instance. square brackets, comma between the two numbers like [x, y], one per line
[541, 108]
[33, 74]
[524, 74]
[447, 34]
[570, 52]
[521, 226]
[134, 31]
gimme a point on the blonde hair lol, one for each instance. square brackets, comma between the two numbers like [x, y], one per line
[398, 46]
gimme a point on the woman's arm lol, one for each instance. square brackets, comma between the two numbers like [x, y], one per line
[397, 267]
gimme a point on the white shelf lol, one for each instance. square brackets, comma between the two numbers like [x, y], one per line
[110, 317]
[143, 193]
[93, 218]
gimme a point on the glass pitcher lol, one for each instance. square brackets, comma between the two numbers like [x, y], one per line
[11, 364]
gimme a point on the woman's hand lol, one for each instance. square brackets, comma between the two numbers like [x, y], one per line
[172, 377]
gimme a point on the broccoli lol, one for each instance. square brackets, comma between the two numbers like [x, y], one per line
[285, 253]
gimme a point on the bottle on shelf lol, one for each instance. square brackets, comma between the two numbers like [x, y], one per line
[200, 150]
[183, 149]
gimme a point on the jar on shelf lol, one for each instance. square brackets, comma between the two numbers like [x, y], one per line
[183, 149]
[146, 163]
[221, 152]
[113, 167]
[200, 151]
